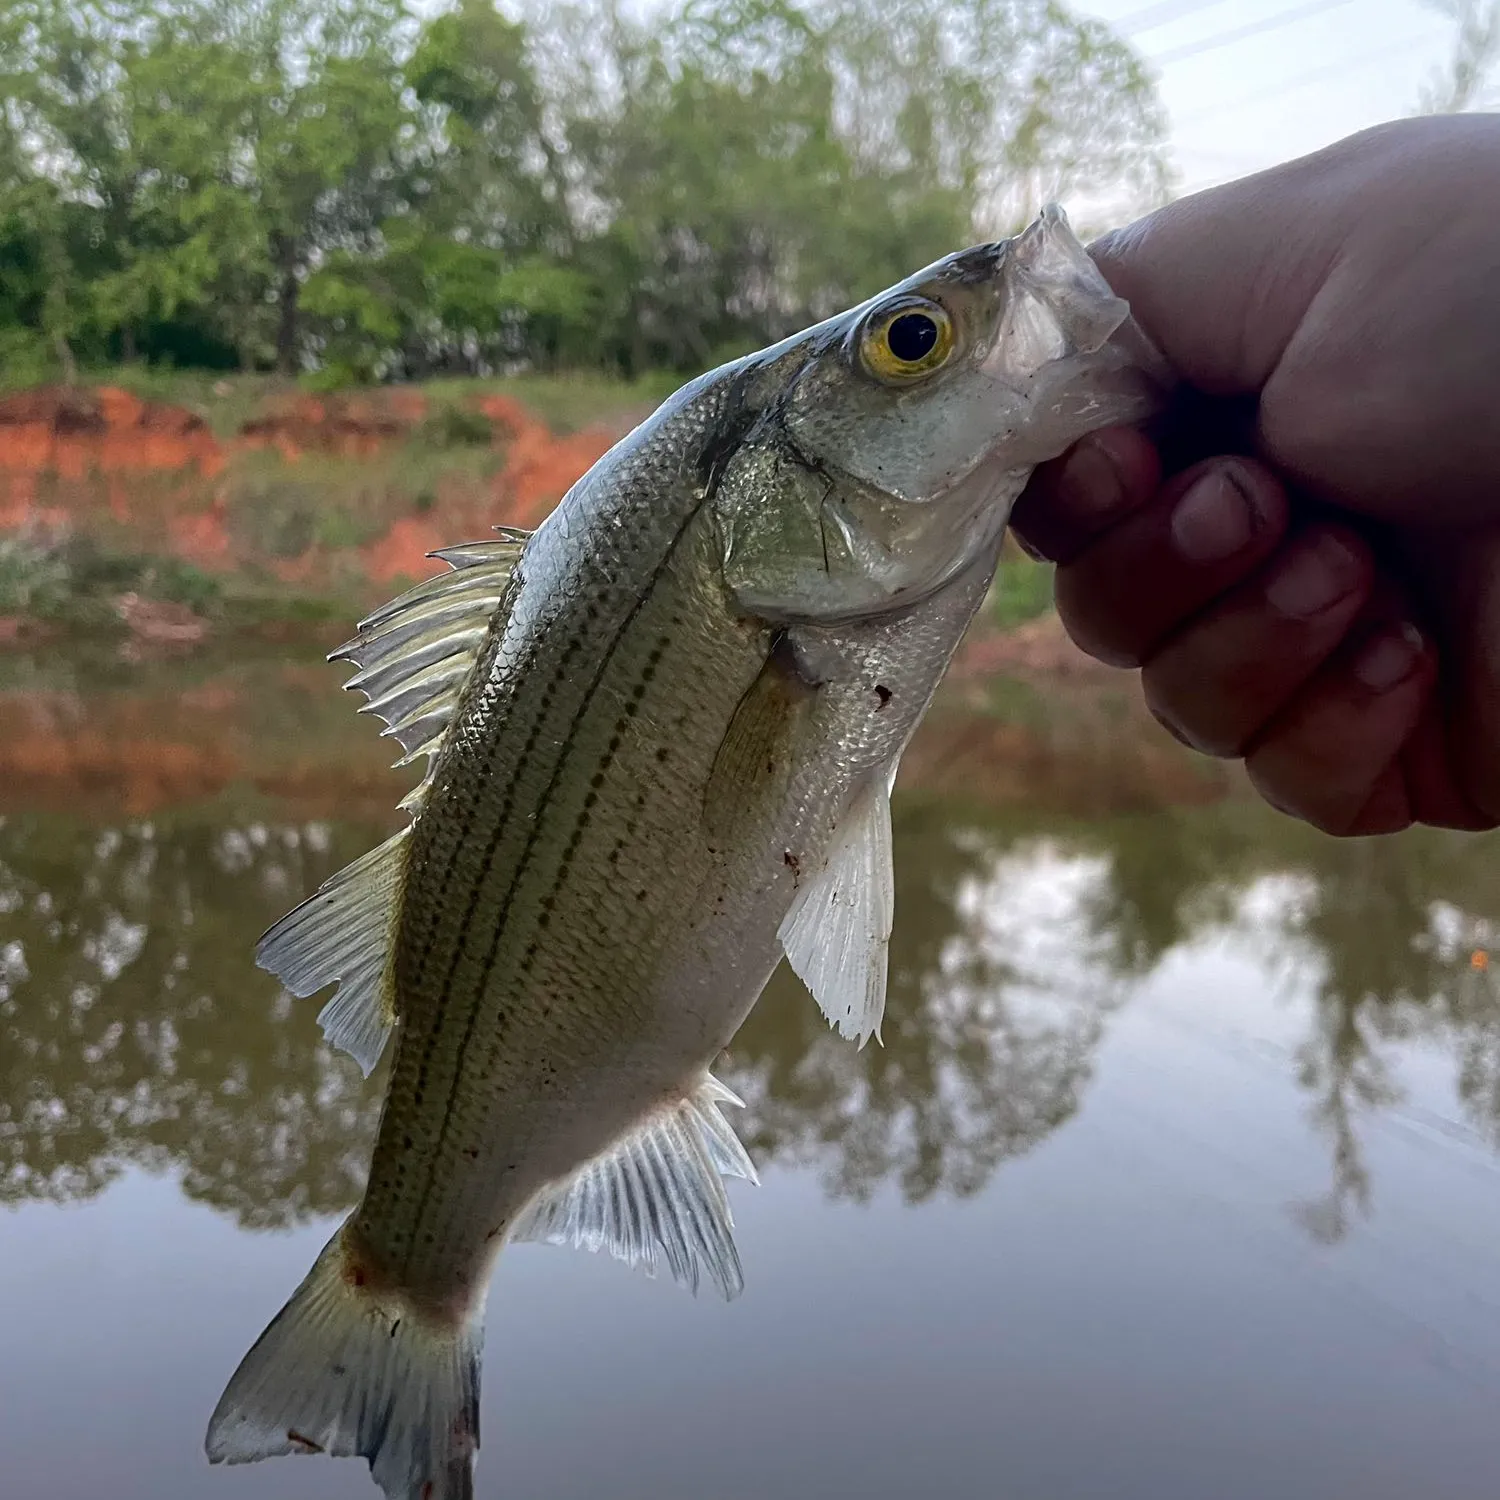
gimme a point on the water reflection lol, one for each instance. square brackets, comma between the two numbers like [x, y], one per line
[1397, 937]
[137, 1031]
[996, 1002]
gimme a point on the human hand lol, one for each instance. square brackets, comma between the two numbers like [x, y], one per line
[1329, 608]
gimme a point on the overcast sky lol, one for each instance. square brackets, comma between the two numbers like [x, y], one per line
[1249, 83]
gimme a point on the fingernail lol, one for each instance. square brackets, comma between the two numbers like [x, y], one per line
[1316, 575]
[1214, 520]
[1090, 481]
[1391, 658]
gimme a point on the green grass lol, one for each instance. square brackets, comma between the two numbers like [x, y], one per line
[279, 510]
[226, 400]
[1022, 591]
[566, 401]
[449, 427]
[75, 581]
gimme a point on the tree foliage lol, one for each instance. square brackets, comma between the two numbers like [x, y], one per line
[1462, 84]
[339, 185]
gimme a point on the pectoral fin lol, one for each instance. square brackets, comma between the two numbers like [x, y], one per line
[837, 932]
[755, 758]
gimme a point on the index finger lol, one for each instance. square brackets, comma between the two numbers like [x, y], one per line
[1073, 500]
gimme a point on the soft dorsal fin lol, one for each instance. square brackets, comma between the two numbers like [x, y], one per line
[659, 1190]
[414, 656]
[343, 933]
[837, 932]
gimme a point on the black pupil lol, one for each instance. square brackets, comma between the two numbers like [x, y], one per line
[911, 336]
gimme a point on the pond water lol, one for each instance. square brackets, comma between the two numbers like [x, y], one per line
[1176, 1177]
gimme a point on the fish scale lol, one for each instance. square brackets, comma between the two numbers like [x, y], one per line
[661, 735]
[559, 872]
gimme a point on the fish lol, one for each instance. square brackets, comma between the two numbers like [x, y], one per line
[660, 735]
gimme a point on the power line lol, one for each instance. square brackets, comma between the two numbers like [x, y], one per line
[1240, 33]
[1301, 80]
[1149, 17]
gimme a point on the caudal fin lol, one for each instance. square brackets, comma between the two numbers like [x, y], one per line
[344, 1371]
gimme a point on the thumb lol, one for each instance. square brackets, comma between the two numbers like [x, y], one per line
[1221, 280]
[1351, 294]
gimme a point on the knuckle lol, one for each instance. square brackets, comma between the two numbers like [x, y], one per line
[1198, 720]
[1106, 632]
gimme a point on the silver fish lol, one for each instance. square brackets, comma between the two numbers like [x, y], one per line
[661, 736]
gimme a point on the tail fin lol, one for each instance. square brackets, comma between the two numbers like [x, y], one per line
[345, 1371]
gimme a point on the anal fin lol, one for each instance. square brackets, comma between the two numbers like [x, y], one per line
[836, 934]
[659, 1190]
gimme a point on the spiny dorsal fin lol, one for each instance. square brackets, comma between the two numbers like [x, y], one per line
[660, 1189]
[414, 656]
[415, 653]
[837, 932]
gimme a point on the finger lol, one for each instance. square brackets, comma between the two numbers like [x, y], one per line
[1466, 595]
[1333, 756]
[1070, 501]
[1230, 669]
[1208, 529]
[1432, 783]
[1221, 279]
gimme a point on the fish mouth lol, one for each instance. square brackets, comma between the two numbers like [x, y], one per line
[980, 264]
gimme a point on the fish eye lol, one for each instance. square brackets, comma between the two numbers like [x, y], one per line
[911, 339]
[911, 336]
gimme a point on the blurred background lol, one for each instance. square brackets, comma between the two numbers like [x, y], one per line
[1177, 1173]
[365, 189]
[293, 290]
[1248, 83]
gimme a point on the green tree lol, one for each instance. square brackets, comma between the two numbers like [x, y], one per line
[1011, 102]
[475, 267]
[753, 165]
[312, 137]
[338, 183]
[1463, 83]
[69, 172]
[198, 157]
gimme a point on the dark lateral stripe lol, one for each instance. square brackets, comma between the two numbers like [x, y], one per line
[559, 675]
[581, 824]
[522, 863]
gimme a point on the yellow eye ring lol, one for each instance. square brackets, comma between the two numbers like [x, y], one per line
[906, 341]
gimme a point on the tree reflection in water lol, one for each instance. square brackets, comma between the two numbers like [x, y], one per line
[135, 1029]
[1395, 937]
[995, 1004]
